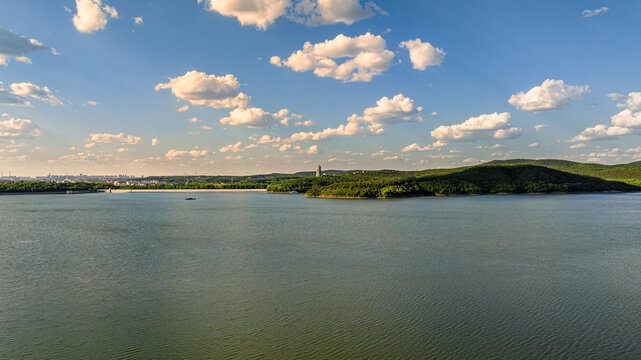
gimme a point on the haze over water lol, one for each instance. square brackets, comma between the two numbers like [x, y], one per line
[253, 275]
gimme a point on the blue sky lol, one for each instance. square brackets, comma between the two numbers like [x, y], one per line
[488, 80]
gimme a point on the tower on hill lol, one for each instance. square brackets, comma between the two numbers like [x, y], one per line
[318, 170]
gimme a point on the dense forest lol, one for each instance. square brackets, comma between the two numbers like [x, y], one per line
[40, 186]
[482, 179]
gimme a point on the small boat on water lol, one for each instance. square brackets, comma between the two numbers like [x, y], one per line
[190, 198]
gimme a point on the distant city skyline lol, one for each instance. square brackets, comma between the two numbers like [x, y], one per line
[221, 87]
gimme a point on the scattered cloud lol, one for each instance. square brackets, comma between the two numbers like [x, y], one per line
[631, 101]
[495, 125]
[183, 108]
[179, 154]
[27, 90]
[283, 116]
[539, 127]
[601, 132]
[321, 12]
[533, 145]
[15, 128]
[194, 120]
[260, 13]
[550, 95]
[416, 147]
[92, 103]
[589, 13]
[251, 117]
[207, 90]
[364, 57]
[155, 141]
[304, 123]
[423, 54]
[396, 110]
[115, 138]
[138, 20]
[578, 146]
[92, 16]
[232, 148]
[16, 46]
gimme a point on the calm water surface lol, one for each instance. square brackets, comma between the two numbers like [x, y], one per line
[252, 275]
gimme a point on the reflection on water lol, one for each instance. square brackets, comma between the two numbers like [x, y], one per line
[252, 275]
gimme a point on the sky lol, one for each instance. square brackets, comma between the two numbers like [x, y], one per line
[213, 87]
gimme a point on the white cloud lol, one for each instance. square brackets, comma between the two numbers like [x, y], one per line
[627, 118]
[232, 148]
[115, 138]
[183, 108]
[233, 158]
[251, 117]
[390, 111]
[417, 147]
[631, 101]
[423, 54]
[379, 153]
[155, 141]
[601, 132]
[15, 46]
[550, 95]
[26, 89]
[365, 57]
[578, 146]
[312, 150]
[206, 127]
[534, 144]
[92, 103]
[539, 127]
[589, 13]
[92, 16]
[8, 98]
[304, 123]
[122, 150]
[493, 125]
[13, 128]
[207, 90]
[138, 20]
[396, 110]
[178, 154]
[283, 116]
[320, 12]
[90, 145]
[194, 120]
[260, 13]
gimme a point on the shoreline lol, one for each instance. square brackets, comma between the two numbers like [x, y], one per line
[113, 191]
[467, 194]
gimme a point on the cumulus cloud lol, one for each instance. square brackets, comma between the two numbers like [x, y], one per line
[260, 13]
[416, 147]
[115, 138]
[396, 110]
[250, 117]
[363, 57]
[319, 12]
[13, 128]
[92, 102]
[183, 108]
[16, 46]
[8, 98]
[138, 20]
[92, 16]
[232, 148]
[312, 150]
[155, 141]
[578, 146]
[26, 90]
[626, 122]
[601, 132]
[631, 101]
[539, 127]
[174, 154]
[423, 54]
[207, 90]
[283, 116]
[589, 13]
[550, 95]
[493, 125]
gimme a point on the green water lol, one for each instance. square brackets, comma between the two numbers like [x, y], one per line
[253, 275]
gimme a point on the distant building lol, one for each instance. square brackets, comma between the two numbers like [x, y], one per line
[318, 170]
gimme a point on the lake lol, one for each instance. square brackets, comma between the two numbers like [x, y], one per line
[279, 276]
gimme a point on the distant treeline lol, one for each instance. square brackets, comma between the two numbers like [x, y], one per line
[40, 186]
[486, 179]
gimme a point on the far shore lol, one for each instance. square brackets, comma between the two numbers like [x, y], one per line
[179, 190]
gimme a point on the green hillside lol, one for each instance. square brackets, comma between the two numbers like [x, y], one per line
[482, 179]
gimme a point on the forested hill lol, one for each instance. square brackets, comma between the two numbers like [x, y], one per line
[482, 179]
[630, 173]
